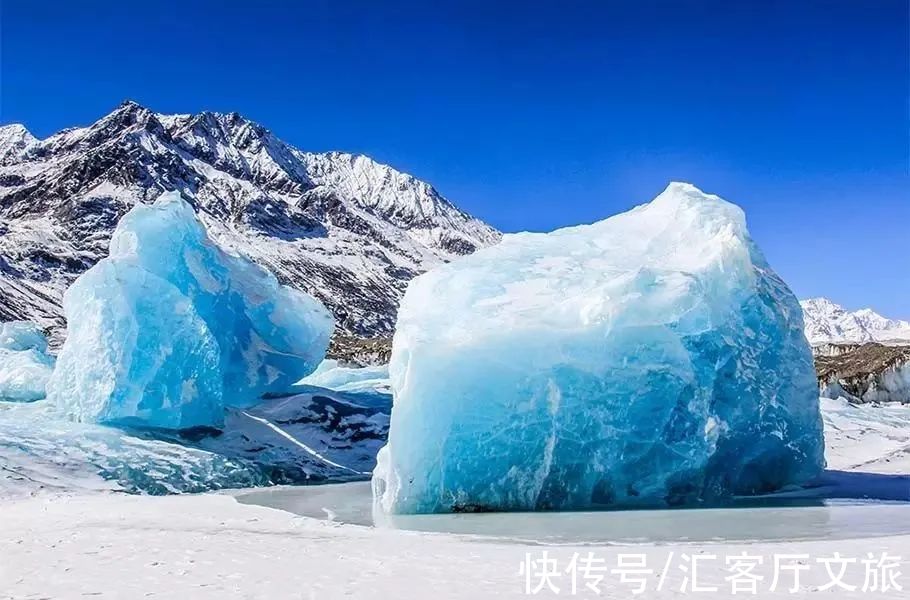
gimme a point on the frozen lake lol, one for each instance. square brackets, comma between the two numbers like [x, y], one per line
[840, 510]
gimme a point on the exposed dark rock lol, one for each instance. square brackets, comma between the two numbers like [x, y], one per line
[869, 372]
[360, 351]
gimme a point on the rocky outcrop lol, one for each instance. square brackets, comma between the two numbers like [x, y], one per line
[359, 352]
[866, 373]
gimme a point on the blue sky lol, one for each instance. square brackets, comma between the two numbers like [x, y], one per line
[535, 115]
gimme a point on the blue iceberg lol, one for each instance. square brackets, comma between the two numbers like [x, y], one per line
[652, 358]
[25, 365]
[170, 329]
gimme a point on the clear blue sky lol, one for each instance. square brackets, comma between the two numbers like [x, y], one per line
[534, 115]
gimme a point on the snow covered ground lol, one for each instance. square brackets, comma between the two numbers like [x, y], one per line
[73, 545]
[209, 546]
[867, 438]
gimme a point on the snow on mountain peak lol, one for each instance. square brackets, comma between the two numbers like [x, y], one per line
[827, 321]
[343, 227]
[15, 141]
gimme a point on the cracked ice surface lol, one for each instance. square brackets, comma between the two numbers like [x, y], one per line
[170, 329]
[650, 358]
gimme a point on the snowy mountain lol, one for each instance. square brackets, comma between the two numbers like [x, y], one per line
[342, 227]
[827, 322]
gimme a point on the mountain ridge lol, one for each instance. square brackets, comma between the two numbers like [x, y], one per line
[830, 323]
[343, 227]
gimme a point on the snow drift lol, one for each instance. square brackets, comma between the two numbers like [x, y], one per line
[650, 358]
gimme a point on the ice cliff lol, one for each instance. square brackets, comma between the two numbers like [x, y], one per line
[170, 329]
[652, 358]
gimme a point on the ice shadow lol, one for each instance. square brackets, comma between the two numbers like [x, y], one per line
[833, 485]
[856, 485]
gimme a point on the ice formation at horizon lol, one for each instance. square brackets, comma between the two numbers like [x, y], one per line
[170, 329]
[652, 358]
[25, 365]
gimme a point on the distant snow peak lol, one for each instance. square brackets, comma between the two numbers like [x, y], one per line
[828, 322]
[15, 141]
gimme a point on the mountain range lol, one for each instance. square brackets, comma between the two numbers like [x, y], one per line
[348, 230]
[827, 322]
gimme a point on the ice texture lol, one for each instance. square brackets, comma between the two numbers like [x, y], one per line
[311, 436]
[331, 374]
[25, 365]
[40, 452]
[652, 358]
[170, 329]
[17, 336]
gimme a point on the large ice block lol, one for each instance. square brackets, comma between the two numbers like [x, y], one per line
[169, 328]
[25, 365]
[652, 358]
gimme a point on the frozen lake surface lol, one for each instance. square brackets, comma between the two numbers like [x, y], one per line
[850, 505]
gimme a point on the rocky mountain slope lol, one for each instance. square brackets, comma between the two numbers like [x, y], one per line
[827, 322]
[860, 356]
[860, 373]
[342, 227]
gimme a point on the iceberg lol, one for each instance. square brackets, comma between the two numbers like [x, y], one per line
[170, 329]
[25, 365]
[649, 359]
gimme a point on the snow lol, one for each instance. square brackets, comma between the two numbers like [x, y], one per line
[15, 142]
[170, 329]
[332, 375]
[76, 539]
[341, 227]
[650, 358]
[827, 322]
[398, 197]
[867, 437]
[310, 436]
[40, 453]
[209, 546]
[25, 365]
[890, 385]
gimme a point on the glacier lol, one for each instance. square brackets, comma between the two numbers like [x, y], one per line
[25, 365]
[649, 359]
[170, 329]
